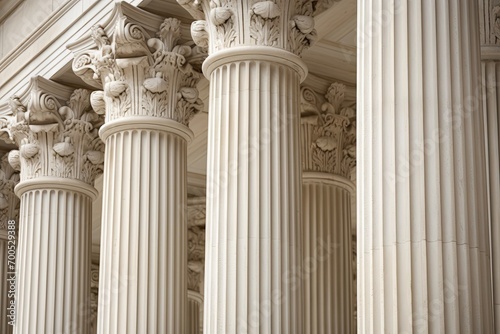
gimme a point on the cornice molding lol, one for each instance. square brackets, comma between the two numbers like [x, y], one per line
[39, 31]
[48, 57]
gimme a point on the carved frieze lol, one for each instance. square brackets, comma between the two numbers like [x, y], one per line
[222, 24]
[328, 132]
[9, 202]
[142, 72]
[55, 138]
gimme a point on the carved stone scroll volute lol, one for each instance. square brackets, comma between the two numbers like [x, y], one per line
[56, 138]
[144, 67]
[284, 24]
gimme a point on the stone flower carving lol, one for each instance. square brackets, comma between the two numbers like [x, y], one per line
[199, 33]
[329, 132]
[142, 71]
[266, 9]
[265, 24]
[196, 215]
[9, 202]
[53, 138]
[495, 21]
[287, 25]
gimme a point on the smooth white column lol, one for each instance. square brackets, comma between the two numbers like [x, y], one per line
[148, 99]
[422, 207]
[59, 156]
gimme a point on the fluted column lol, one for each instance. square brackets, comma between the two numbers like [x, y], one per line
[59, 156]
[253, 253]
[195, 313]
[9, 213]
[328, 158]
[422, 207]
[490, 66]
[149, 95]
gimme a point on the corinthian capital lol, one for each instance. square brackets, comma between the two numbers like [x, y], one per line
[56, 131]
[284, 24]
[328, 132]
[9, 202]
[142, 65]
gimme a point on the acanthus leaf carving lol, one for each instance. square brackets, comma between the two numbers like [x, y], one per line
[196, 257]
[54, 138]
[196, 215]
[329, 132]
[495, 22]
[199, 33]
[283, 24]
[9, 202]
[221, 17]
[302, 34]
[264, 26]
[141, 75]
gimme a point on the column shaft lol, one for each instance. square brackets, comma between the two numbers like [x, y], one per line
[195, 309]
[491, 80]
[422, 231]
[53, 278]
[148, 99]
[327, 235]
[253, 195]
[143, 252]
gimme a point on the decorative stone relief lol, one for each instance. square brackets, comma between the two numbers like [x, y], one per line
[9, 202]
[495, 23]
[328, 132]
[94, 291]
[196, 246]
[222, 24]
[142, 73]
[55, 139]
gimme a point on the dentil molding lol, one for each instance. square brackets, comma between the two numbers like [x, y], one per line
[56, 131]
[328, 132]
[143, 66]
